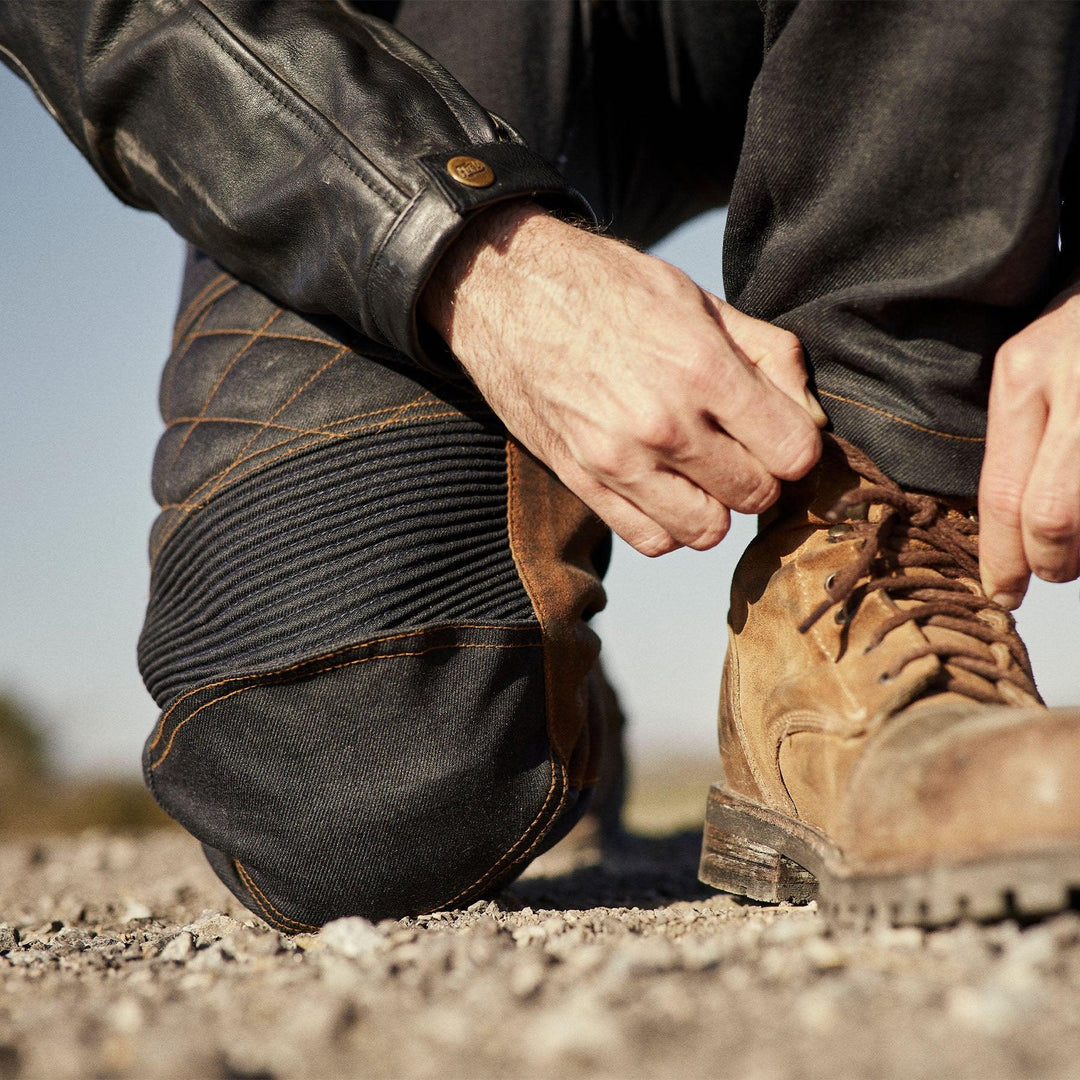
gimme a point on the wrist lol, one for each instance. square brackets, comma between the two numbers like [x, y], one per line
[475, 269]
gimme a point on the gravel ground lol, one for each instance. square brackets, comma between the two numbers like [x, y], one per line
[123, 957]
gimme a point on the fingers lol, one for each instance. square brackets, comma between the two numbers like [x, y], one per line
[763, 401]
[1013, 432]
[727, 470]
[780, 435]
[1050, 518]
[651, 507]
[1029, 493]
[776, 353]
[638, 528]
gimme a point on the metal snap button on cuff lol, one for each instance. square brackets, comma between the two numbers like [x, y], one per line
[470, 171]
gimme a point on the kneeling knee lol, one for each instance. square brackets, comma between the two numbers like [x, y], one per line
[349, 787]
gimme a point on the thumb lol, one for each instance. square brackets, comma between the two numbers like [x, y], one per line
[776, 353]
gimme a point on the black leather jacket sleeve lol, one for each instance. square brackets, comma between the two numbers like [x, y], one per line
[305, 146]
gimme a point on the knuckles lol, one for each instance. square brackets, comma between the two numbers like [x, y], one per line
[654, 545]
[1002, 502]
[761, 497]
[1018, 366]
[710, 537]
[665, 435]
[608, 460]
[1052, 521]
[798, 451]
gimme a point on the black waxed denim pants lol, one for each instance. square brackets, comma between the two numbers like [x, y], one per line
[367, 629]
[367, 624]
[907, 178]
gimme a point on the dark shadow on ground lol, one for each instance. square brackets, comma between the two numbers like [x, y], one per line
[635, 871]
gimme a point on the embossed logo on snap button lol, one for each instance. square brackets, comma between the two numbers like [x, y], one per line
[470, 171]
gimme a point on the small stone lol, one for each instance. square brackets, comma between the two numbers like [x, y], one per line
[353, 937]
[309, 943]
[789, 930]
[1034, 947]
[180, 948]
[825, 955]
[134, 910]
[211, 926]
[9, 938]
[124, 1016]
[526, 979]
[527, 935]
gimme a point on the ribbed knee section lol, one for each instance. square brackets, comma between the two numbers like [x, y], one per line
[398, 529]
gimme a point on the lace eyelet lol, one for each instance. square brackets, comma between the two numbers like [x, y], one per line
[839, 531]
[885, 677]
[829, 582]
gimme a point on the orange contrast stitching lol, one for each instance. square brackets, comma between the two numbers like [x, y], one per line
[322, 434]
[900, 419]
[239, 331]
[196, 300]
[257, 423]
[333, 667]
[281, 408]
[260, 898]
[166, 392]
[185, 508]
[510, 853]
[316, 659]
[221, 378]
[325, 656]
[558, 769]
[309, 431]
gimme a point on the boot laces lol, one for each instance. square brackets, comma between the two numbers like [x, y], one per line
[921, 554]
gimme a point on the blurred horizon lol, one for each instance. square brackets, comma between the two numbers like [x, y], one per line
[87, 296]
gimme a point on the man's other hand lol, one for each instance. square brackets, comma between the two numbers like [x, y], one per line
[658, 404]
[1029, 493]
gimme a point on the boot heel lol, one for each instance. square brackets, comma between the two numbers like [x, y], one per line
[735, 862]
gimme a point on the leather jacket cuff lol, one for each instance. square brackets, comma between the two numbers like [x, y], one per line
[431, 222]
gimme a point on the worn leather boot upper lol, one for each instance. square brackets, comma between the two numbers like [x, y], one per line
[872, 691]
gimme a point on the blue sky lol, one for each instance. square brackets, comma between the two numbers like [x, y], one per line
[87, 293]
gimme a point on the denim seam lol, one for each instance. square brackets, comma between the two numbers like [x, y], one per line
[900, 419]
[275, 918]
[193, 308]
[268, 425]
[180, 351]
[271, 426]
[253, 336]
[322, 671]
[266, 676]
[315, 659]
[239, 331]
[558, 771]
[513, 529]
[184, 510]
[324, 430]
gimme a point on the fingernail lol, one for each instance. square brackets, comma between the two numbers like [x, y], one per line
[1008, 600]
[816, 411]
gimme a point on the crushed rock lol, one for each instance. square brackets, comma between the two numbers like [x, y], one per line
[124, 957]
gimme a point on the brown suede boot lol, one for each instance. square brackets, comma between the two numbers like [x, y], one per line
[884, 748]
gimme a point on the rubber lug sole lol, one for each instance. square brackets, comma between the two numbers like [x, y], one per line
[755, 852]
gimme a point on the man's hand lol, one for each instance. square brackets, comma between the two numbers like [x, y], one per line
[659, 405]
[1029, 493]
